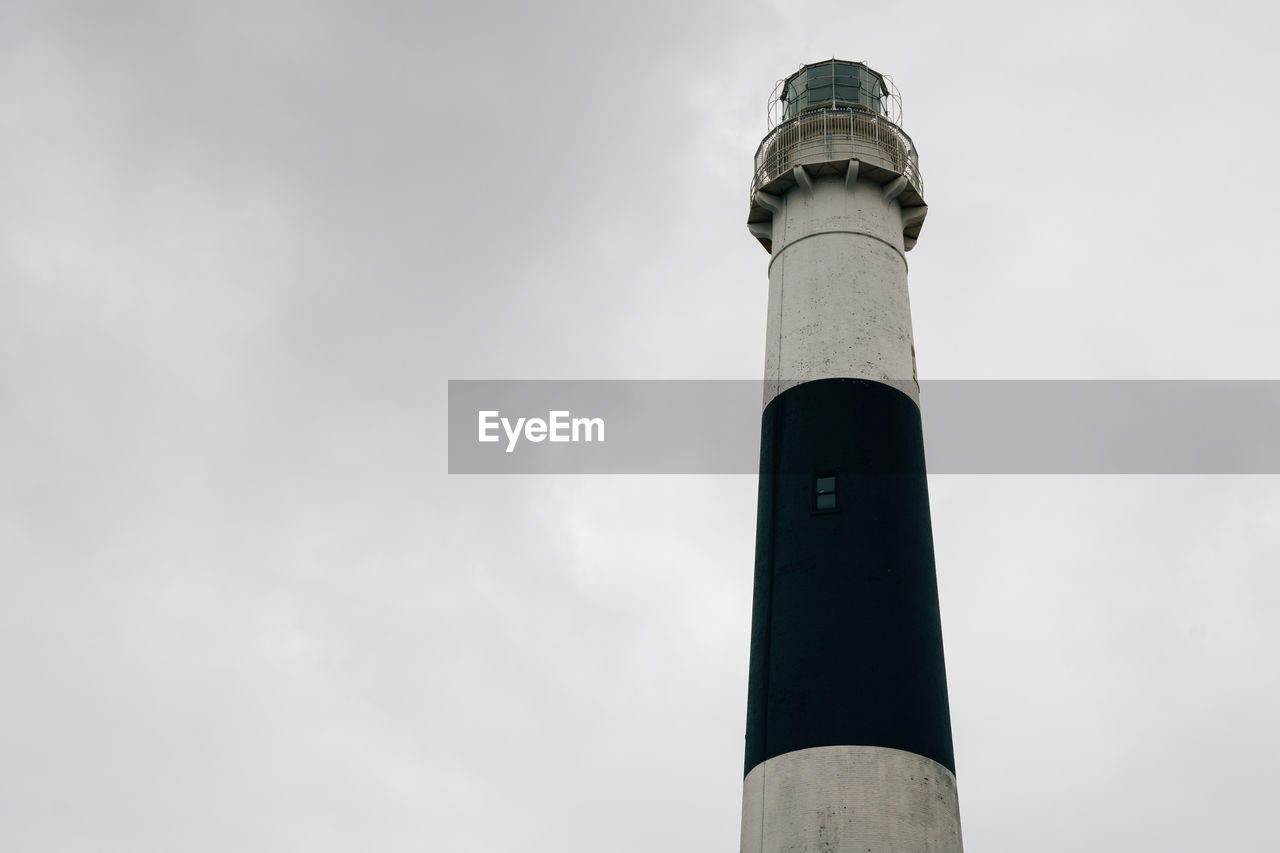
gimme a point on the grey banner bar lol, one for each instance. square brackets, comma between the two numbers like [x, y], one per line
[970, 426]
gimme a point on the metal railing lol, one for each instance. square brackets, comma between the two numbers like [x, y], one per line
[839, 132]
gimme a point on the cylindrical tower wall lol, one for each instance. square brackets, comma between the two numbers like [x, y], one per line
[848, 745]
[838, 302]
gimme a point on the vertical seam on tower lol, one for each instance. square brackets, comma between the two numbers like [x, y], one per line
[782, 292]
[778, 429]
[782, 302]
[764, 771]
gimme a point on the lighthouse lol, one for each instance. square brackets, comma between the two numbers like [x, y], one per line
[848, 742]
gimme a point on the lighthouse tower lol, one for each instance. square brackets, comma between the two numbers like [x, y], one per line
[848, 745]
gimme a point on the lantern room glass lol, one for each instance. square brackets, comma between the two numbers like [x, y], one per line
[835, 84]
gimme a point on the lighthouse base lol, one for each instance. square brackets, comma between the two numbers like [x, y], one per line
[850, 799]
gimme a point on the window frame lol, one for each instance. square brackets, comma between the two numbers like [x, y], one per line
[818, 492]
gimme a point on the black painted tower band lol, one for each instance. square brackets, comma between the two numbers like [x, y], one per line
[846, 637]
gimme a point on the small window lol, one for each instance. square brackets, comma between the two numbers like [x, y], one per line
[824, 493]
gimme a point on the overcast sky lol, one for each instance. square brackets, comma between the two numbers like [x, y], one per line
[244, 245]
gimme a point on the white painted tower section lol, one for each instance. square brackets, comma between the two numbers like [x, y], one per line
[838, 303]
[850, 799]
